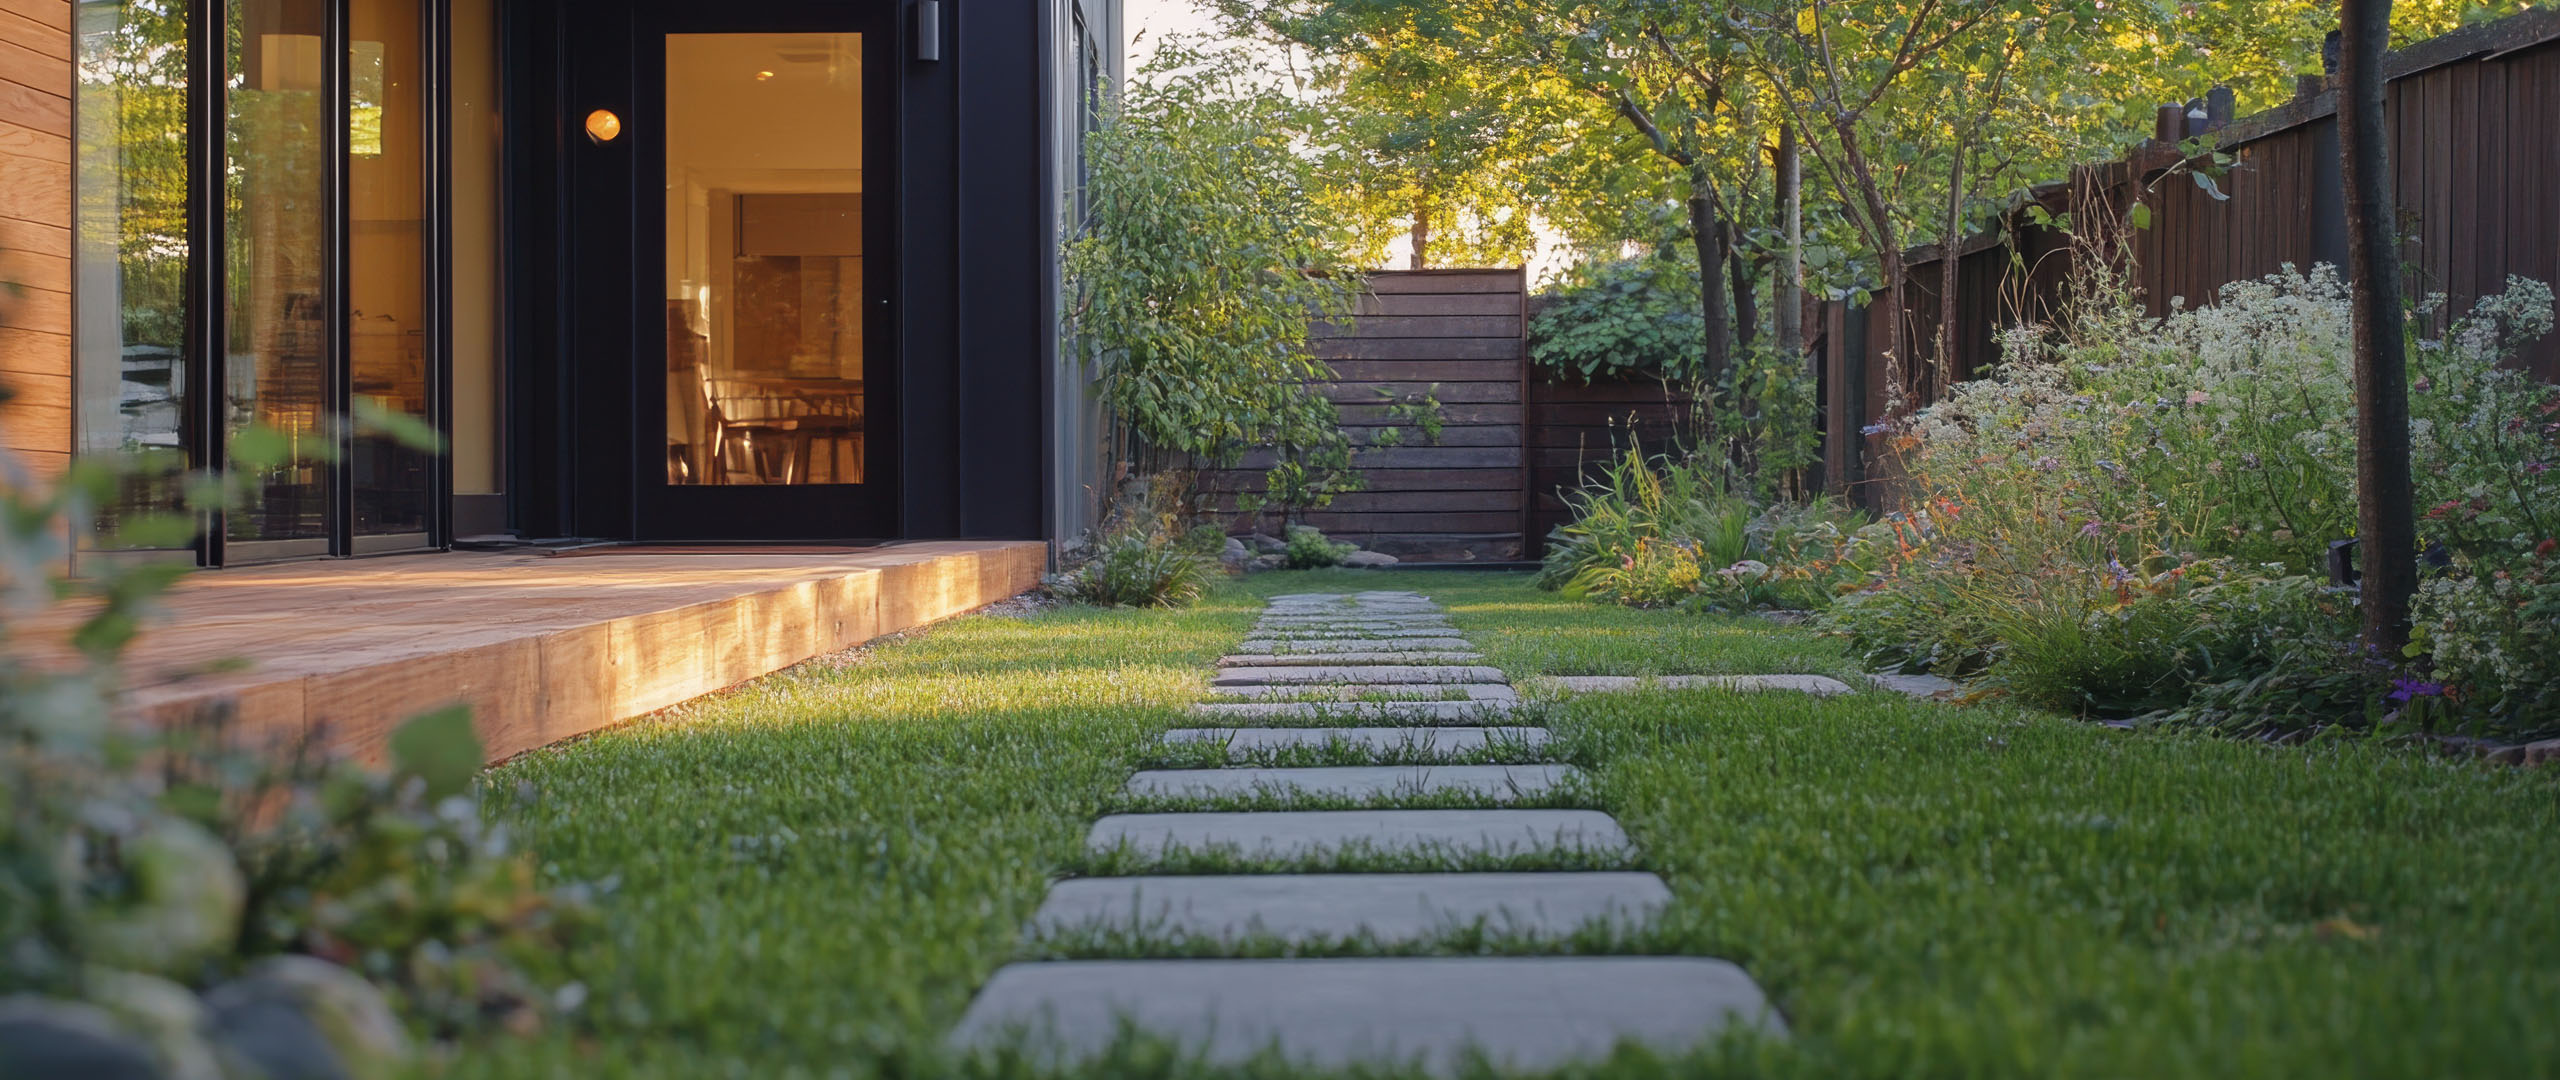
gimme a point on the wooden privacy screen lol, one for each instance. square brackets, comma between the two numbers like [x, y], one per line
[1462, 498]
[1576, 429]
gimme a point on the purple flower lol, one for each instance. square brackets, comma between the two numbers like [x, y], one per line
[2090, 529]
[1877, 428]
[2402, 690]
[2538, 468]
[2048, 463]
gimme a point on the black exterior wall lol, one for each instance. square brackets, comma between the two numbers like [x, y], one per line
[973, 227]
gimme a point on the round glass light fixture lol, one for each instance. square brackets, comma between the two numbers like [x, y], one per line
[603, 126]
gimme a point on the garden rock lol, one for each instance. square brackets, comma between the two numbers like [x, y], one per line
[168, 1016]
[40, 1037]
[1268, 562]
[274, 1014]
[1235, 556]
[1268, 545]
[1369, 560]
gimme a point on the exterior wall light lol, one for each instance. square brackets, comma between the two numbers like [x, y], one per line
[603, 126]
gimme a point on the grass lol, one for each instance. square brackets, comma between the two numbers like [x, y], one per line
[810, 875]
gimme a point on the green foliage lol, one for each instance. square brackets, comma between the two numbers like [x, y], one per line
[1194, 276]
[1208, 540]
[1138, 570]
[1653, 532]
[153, 861]
[1419, 410]
[1611, 318]
[2132, 519]
[1309, 550]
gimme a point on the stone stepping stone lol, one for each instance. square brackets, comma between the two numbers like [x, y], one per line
[1430, 740]
[1296, 833]
[1354, 622]
[1924, 687]
[1352, 635]
[1392, 656]
[1357, 673]
[1371, 691]
[1409, 712]
[1521, 1013]
[1500, 782]
[1384, 908]
[1337, 646]
[1819, 685]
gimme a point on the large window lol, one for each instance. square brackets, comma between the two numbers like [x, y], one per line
[131, 258]
[254, 260]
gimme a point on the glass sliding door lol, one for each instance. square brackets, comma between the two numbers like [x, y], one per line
[277, 270]
[387, 264]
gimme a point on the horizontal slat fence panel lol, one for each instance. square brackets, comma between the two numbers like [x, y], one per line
[1454, 335]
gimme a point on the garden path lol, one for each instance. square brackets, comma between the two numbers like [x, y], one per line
[1330, 859]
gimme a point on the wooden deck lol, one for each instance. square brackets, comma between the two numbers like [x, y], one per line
[541, 647]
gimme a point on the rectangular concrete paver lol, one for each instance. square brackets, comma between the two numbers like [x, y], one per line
[1373, 712]
[1357, 673]
[1819, 685]
[1521, 1013]
[1428, 740]
[1384, 908]
[1293, 833]
[1367, 653]
[1367, 691]
[1501, 782]
[1294, 635]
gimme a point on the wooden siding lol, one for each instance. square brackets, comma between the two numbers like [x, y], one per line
[35, 231]
[1453, 334]
[2474, 135]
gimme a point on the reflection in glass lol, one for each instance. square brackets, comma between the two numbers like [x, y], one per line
[130, 254]
[764, 261]
[386, 259]
[275, 265]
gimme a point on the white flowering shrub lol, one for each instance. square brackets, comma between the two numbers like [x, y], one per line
[2073, 486]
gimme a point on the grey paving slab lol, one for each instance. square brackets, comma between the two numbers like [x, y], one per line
[1356, 621]
[1283, 834]
[1405, 712]
[1928, 687]
[1424, 740]
[1358, 673]
[1500, 782]
[1355, 651]
[1527, 1013]
[1267, 634]
[1384, 908]
[1370, 691]
[1820, 685]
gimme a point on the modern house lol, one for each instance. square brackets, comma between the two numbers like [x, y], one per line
[658, 270]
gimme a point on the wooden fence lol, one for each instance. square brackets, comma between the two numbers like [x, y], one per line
[2474, 126]
[1454, 336]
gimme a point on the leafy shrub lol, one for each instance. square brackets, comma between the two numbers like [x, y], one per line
[2062, 517]
[181, 876]
[1309, 550]
[1207, 540]
[1137, 570]
[1610, 317]
[1655, 532]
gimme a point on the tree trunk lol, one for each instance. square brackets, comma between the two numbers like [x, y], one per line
[1877, 224]
[1422, 234]
[1746, 305]
[1706, 231]
[1950, 267]
[1785, 293]
[2386, 508]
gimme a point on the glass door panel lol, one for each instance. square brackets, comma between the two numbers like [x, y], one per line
[275, 265]
[387, 263]
[764, 267]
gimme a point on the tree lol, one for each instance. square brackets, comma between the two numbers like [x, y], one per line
[2386, 507]
[1196, 271]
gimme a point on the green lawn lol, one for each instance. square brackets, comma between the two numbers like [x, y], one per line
[809, 876]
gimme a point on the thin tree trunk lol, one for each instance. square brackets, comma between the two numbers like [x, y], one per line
[1878, 227]
[1706, 230]
[1949, 273]
[2386, 508]
[1746, 305]
[1785, 293]
[1422, 234]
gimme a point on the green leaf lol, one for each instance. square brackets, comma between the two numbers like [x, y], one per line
[402, 428]
[439, 748]
[2210, 188]
[258, 446]
[2139, 216]
[156, 530]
